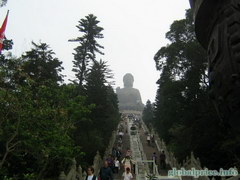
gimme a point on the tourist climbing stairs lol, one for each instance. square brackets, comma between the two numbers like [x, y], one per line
[145, 166]
[133, 139]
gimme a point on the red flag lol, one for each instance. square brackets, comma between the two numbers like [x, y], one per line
[2, 30]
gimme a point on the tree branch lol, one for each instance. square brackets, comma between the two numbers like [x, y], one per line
[10, 147]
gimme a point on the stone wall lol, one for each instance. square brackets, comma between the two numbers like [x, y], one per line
[76, 173]
[188, 164]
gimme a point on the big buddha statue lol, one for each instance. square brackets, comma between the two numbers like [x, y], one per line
[129, 97]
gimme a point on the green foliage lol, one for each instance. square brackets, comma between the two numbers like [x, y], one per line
[7, 44]
[40, 65]
[184, 116]
[29, 176]
[151, 177]
[36, 122]
[147, 115]
[92, 82]
[44, 123]
[104, 116]
[88, 47]
[92, 77]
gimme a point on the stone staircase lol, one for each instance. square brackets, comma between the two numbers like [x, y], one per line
[145, 167]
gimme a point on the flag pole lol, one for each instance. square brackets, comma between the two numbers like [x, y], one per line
[2, 31]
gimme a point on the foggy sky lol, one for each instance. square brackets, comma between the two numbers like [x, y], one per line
[134, 30]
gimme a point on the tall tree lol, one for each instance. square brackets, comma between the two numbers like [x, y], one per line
[35, 116]
[40, 65]
[148, 113]
[88, 46]
[105, 115]
[184, 116]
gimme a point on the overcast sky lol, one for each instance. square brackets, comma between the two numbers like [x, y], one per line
[134, 30]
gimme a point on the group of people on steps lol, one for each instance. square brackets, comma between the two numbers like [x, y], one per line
[115, 161]
[118, 158]
[162, 159]
[106, 173]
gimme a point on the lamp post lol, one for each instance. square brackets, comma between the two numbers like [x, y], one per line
[217, 27]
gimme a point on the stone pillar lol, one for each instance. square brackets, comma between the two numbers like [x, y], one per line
[217, 24]
[97, 162]
[80, 174]
[62, 176]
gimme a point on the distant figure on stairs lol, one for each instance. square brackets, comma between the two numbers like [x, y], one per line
[154, 157]
[152, 139]
[110, 161]
[127, 162]
[162, 158]
[106, 172]
[116, 165]
[90, 175]
[127, 175]
[128, 152]
[149, 139]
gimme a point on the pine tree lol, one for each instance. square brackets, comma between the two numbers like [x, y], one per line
[36, 120]
[40, 65]
[88, 47]
[184, 116]
[148, 113]
[105, 115]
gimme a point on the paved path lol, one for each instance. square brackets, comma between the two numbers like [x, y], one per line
[141, 152]
[149, 150]
[125, 146]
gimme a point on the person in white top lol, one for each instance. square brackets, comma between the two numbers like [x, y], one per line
[116, 165]
[120, 134]
[148, 139]
[90, 175]
[127, 175]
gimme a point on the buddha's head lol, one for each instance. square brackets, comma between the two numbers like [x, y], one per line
[128, 80]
